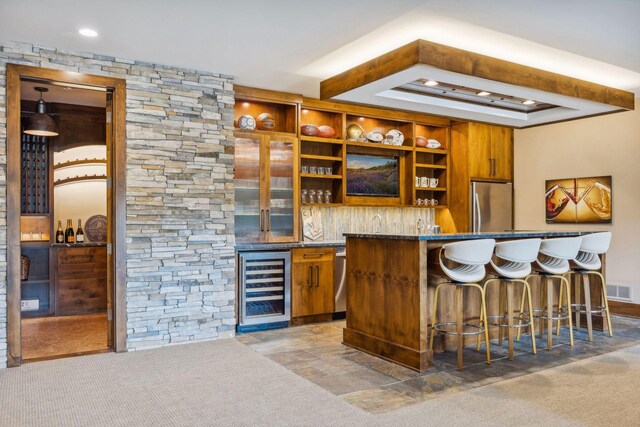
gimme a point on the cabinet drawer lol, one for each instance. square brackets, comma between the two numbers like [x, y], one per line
[82, 295]
[313, 254]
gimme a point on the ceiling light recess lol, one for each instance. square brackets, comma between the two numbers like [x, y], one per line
[385, 81]
[431, 83]
[88, 32]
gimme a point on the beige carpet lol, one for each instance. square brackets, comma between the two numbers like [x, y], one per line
[224, 383]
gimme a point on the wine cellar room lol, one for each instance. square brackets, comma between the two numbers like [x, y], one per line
[63, 222]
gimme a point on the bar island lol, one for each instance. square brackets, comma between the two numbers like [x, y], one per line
[389, 292]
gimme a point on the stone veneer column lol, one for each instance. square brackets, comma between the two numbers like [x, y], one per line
[180, 198]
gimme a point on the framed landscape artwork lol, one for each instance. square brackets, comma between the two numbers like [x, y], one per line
[578, 200]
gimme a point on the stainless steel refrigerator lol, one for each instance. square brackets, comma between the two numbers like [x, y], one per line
[491, 206]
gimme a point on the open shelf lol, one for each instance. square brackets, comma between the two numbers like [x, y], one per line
[431, 189]
[321, 140]
[432, 150]
[309, 175]
[321, 157]
[380, 145]
[429, 166]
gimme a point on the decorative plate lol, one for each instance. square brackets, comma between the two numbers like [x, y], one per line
[96, 228]
[375, 136]
[395, 137]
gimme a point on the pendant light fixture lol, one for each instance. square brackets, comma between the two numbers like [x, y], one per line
[40, 123]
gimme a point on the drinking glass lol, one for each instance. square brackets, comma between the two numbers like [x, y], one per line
[305, 169]
[327, 197]
[304, 196]
[312, 196]
[320, 170]
[320, 196]
[328, 170]
[313, 170]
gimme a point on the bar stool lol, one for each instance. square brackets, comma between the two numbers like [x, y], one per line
[513, 264]
[552, 263]
[464, 264]
[585, 263]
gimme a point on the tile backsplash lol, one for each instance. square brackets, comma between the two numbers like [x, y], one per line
[343, 219]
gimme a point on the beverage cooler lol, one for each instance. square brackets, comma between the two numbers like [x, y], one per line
[265, 290]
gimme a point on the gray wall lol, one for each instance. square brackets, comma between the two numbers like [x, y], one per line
[180, 197]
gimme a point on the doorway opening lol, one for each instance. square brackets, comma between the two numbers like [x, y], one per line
[65, 222]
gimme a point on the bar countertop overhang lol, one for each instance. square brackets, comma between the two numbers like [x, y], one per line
[465, 236]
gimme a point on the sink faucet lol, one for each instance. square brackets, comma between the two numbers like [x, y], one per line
[377, 226]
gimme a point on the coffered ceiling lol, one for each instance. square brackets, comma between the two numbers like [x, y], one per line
[292, 45]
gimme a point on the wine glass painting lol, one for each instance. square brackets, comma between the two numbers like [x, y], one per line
[578, 200]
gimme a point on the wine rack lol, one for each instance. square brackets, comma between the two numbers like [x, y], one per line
[34, 192]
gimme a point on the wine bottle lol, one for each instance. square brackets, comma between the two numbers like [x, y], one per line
[79, 233]
[59, 233]
[69, 236]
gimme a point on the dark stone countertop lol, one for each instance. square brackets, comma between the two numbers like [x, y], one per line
[78, 245]
[463, 236]
[269, 246]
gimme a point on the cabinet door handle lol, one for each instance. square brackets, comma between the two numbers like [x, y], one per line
[310, 276]
[268, 219]
[490, 166]
[313, 255]
[317, 276]
[261, 220]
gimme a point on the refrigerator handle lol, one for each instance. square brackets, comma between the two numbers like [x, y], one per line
[478, 217]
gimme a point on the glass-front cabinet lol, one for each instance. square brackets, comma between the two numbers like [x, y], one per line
[265, 184]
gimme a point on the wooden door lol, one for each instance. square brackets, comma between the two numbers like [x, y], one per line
[302, 290]
[312, 281]
[502, 152]
[323, 297]
[480, 165]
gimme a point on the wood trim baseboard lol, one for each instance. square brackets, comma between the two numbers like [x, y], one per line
[622, 308]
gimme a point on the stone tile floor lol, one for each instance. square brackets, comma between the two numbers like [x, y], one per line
[315, 352]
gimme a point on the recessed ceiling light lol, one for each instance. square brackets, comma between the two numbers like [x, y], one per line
[483, 93]
[88, 32]
[431, 83]
[529, 102]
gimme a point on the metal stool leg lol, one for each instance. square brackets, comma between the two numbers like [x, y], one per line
[566, 283]
[605, 300]
[460, 324]
[587, 305]
[532, 328]
[549, 288]
[433, 314]
[482, 309]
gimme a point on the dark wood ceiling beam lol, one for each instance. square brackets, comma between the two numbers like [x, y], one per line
[422, 52]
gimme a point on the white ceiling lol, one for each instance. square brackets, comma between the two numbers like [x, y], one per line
[63, 94]
[292, 45]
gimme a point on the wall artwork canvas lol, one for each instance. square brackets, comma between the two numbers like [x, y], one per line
[578, 200]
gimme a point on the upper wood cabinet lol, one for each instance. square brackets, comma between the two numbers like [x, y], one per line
[312, 281]
[478, 152]
[265, 187]
[490, 152]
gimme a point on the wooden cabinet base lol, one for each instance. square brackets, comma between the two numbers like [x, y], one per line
[405, 356]
[316, 318]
